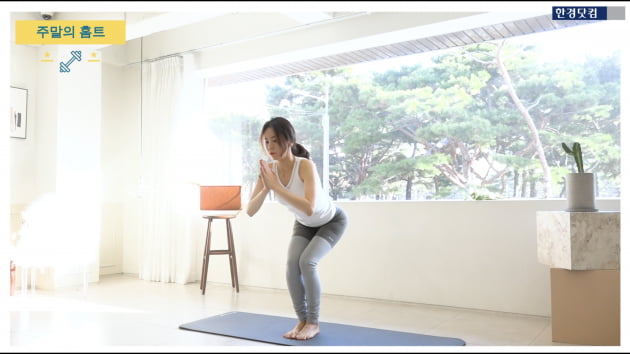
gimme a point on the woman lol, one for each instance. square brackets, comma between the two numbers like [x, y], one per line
[319, 224]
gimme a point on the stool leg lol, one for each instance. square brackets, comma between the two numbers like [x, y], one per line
[206, 258]
[229, 250]
[203, 260]
[233, 269]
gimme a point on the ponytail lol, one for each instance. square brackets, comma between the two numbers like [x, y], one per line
[300, 151]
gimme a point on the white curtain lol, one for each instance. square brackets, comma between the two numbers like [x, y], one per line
[169, 244]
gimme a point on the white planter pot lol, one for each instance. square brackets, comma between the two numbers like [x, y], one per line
[581, 192]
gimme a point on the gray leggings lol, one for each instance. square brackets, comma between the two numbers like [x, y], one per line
[307, 247]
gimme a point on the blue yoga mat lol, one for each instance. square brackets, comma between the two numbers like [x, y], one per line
[269, 329]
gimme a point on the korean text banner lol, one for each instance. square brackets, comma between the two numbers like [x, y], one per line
[70, 32]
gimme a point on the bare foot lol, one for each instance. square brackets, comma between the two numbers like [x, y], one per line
[292, 334]
[308, 331]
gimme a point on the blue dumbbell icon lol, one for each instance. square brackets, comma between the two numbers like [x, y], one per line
[65, 67]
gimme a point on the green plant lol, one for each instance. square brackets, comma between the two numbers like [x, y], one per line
[476, 196]
[576, 152]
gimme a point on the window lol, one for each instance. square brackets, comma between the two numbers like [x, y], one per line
[462, 123]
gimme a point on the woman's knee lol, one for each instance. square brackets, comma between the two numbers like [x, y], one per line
[307, 263]
[293, 265]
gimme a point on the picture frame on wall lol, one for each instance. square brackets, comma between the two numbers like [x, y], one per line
[18, 113]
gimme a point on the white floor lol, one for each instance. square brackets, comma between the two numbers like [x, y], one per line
[121, 311]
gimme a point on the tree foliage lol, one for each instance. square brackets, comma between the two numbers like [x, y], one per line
[459, 126]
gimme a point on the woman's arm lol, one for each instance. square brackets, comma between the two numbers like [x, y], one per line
[258, 197]
[307, 174]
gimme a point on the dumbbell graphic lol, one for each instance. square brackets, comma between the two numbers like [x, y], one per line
[65, 67]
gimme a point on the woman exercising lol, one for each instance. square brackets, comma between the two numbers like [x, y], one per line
[319, 223]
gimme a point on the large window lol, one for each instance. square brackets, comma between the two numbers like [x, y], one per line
[475, 122]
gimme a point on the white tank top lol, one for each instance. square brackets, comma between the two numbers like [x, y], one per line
[324, 209]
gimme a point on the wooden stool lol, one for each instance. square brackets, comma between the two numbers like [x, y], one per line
[229, 251]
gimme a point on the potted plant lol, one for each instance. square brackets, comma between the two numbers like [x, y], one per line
[580, 185]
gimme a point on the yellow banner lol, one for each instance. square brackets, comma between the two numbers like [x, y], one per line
[70, 32]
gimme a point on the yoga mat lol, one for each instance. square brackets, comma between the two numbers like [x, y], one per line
[269, 329]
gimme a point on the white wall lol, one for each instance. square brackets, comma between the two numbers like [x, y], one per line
[473, 254]
[23, 152]
[78, 146]
[61, 153]
[120, 159]
[130, 162]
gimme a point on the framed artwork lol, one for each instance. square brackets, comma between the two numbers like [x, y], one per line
[19, 98]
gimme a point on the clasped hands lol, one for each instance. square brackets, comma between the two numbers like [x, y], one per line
[269, 178]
